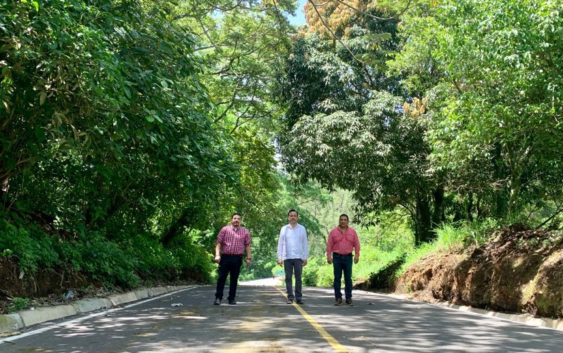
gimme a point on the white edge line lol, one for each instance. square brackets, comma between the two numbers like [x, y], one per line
[34, 332]
[438, 306]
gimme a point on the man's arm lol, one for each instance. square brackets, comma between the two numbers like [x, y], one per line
[329, 245]
[356, 248]
[248, 251]
[305, 245]
[280, 247]
[220, 237]
[217, 253]
[248, 256]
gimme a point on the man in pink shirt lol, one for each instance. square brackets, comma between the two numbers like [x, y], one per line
[342, 241]
[232, 241]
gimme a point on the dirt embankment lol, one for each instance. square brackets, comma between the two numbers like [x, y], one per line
[521, 270]
[45, 287]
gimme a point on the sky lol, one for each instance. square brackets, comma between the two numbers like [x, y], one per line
[299, 19]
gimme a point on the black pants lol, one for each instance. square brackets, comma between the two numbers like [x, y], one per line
[289, 265]
[228, 264]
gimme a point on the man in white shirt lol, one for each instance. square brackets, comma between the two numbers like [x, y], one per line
[293, 251]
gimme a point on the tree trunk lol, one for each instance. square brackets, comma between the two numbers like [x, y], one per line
[423, 222]
[438, 214]
[186, 219]
[500, 197]
[470, 207]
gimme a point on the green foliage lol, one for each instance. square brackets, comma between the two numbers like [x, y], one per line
[18, 303]
[383, 277]
[310, 272]
[110, 150]
[492, 73]
[462, 234]
[29, 245]
[391, 230]
[325, 275]
[453, 236]
[115, 263]
[131, 131]
[372, 260]
[416, 254]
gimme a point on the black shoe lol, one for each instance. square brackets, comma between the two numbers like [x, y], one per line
[290, 301]
[349, 301]
[217, 301]
[299, 301]
[232, 302]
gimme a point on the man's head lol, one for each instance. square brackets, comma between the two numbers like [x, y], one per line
[292, 216]
[236, 219]
[343, 221]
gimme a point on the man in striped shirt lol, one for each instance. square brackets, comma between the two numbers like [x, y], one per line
[229, 251]
[342, 244]
[293, 251]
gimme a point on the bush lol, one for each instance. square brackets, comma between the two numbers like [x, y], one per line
[18, 304]
[325, 276]
[32, 248]
[115, 263]
[310, 272]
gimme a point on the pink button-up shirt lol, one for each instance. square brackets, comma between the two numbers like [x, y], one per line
[233, 241]
[343, 243]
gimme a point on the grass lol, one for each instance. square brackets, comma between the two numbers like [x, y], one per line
[450, 236]
[372, 260]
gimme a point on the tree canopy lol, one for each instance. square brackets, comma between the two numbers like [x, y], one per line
[131, 130]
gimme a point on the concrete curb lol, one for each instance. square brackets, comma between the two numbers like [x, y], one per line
[16, 321]
[521, 318]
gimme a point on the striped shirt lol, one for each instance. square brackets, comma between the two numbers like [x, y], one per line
[233, 241]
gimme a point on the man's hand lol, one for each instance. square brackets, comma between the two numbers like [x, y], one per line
[304, 263]
[280, 262]
[329, 260]
[217, 259]
[356, 259]
[247, 262]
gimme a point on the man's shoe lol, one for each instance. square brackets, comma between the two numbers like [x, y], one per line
[232, 302]
[349, 301]
[338, 301]
[290, 301]
[299, 301]
[217, 301]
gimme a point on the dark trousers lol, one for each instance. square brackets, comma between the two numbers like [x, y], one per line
[342, 264]
[228, 264]
[289, 266]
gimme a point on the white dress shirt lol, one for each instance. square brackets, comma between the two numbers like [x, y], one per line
[292, 243]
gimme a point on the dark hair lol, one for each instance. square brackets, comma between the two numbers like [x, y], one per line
[344, 215]
[236, 214]
[292, 210]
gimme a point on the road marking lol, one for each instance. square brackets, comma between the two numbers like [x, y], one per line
[333, 342]
[105, 312]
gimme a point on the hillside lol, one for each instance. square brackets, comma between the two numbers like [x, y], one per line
[521, 270]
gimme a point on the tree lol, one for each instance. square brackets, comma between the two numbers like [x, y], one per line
[345, 128]
[105, 125]
[495, 96]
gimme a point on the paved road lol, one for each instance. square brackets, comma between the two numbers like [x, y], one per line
[263, 322]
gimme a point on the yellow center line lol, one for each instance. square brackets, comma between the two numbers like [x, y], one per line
[333, 342]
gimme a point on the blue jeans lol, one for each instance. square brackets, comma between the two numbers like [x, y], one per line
[342, 264]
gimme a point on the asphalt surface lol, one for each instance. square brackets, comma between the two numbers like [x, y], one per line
[263, 322]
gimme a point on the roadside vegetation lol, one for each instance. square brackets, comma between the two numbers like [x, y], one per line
[131, 130]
